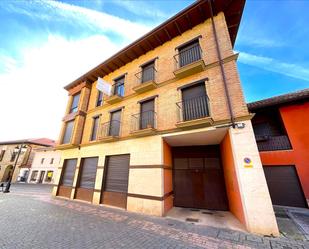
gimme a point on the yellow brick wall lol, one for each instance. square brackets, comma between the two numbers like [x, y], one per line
[167, 111]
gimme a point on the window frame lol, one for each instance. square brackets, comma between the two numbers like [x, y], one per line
[93, 131]
[74, 108]
[65, 131]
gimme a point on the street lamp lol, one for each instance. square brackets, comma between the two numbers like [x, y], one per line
[18, 150]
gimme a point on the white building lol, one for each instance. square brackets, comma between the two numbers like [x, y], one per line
[44, 166]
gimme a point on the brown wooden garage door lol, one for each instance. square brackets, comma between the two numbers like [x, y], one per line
[67, 177]
[116, 174]
[198, 178]
[86, 181]
[284, 186]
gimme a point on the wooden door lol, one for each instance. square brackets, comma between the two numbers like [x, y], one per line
[147, 114]
[198, 178]
[116, 175]
[115, 123]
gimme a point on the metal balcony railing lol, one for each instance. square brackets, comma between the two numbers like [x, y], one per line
[194, 108]
[271, 143]
[144, 120]
[188, 55]
[146, 75]
[109, 129]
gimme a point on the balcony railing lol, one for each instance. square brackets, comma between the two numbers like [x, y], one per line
[144, 120]
[271, 143]
[194, 108]
[109, 129]
[146, 75]
[188, 56]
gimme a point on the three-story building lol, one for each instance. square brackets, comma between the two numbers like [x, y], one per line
[176, 130]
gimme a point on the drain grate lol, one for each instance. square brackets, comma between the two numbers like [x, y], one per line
[194, 210]
[282, 215]
[206, 212]
[192, 220]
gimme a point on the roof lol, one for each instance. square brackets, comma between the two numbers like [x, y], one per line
[36, 141]
[191, 16]
[281, 99]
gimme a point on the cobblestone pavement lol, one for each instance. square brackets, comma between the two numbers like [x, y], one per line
[30, 218]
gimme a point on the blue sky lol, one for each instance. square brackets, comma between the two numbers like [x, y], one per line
[44, 45]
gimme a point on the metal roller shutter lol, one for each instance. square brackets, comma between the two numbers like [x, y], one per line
[66, 182]
[284, 186]
[116, 181]
[86, 182]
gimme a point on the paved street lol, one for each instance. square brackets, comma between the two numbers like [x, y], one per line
[30, 218]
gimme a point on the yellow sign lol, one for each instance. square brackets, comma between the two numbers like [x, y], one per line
[248, 162]
[50, 174]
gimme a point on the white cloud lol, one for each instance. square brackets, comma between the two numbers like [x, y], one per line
[79, 16]
[32, 97]
[273, 65]
[141, 8]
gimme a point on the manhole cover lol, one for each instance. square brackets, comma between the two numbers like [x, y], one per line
[192, 220]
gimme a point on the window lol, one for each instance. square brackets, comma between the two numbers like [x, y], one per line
[194, 102]
[95, 126]
[51, 160]
[2, 154]
[13, 156]
[147, 114]
[75, 101]
[148, 72]
[49, 176]
[68, 132]
[100, 99]
[189, 53]
[114, 128]
[34, 175]
[68, 172]
[42, 160]
[119, 86]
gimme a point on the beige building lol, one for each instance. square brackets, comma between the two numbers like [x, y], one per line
[44, 167]
[9, 154]
[175, 131]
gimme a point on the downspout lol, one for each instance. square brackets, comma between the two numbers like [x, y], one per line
[221, 64]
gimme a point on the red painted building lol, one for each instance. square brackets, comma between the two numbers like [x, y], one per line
[281, 127]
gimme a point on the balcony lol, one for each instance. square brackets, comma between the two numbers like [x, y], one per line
[146, 80]
[194, 113]
[272, 143]
[189, 61]
[117, 93]
[144, 123]
[109, 131]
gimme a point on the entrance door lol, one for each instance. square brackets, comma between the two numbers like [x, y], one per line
[284, 186]
[198, 178]
[41, 177]
[147, 114]
[115, 123]
[116, 174]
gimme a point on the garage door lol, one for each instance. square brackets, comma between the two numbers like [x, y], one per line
[86, 181]
[284, 186]
[115, 187]
[198, 178]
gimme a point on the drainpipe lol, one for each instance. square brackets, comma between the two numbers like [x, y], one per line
[221, 64]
